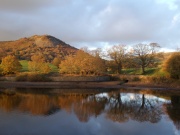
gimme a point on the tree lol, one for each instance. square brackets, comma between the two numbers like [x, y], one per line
[82, 63]
[68, 65]
[37, 64]
[118, 54]
[96, 52]
[56, 61]
[173, 110]
[172, 65]
[145, 54]
[10, 65]
[178, 49]
[2, 54]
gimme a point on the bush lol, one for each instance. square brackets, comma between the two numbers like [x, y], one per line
[136, 79]
[10, 65]
[38, 65]
[32, 77]
[172, 65]
[159, 79]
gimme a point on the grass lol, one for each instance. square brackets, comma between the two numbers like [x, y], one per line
[135, 71]
[24, 64]
[54, 68]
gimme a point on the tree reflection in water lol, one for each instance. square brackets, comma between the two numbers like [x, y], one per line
[138, 108]
[117, 106]
[173, 110]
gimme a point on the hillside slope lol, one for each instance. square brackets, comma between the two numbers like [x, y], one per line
[47, 45]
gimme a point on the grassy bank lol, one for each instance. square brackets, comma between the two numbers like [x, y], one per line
[152, 76]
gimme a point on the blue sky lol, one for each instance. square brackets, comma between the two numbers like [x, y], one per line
[93, 23]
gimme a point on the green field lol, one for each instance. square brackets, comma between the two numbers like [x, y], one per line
[24, 64]
[138, 71]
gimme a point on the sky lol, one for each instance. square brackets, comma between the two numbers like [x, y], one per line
[93, 23]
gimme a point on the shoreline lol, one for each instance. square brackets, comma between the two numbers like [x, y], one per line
[84, 84]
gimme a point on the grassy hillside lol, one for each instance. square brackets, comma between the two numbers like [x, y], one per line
[24, 48]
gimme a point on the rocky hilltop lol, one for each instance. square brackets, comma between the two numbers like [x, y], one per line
[47, 45]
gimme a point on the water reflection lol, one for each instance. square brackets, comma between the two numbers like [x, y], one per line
[139, 108]
[173, 110]
[110, 105]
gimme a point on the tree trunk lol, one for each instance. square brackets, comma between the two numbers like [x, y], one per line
[119, 68]
[143, 103]
[143, 69]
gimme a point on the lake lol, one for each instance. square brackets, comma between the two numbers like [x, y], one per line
[88, 112]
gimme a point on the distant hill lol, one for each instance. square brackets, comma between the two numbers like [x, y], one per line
[47, 45]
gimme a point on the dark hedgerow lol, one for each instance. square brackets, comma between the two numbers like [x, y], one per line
[33, 77]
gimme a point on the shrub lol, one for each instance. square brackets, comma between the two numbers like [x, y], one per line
[38, 65]
[172, 65]
[159, 79]
[136, 79]
[21, 77]
[56, 61]
[32, 77]
[10, 65]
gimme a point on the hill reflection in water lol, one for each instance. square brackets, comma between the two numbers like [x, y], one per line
[80, 110]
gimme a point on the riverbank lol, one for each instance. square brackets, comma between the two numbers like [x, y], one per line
[90, 85]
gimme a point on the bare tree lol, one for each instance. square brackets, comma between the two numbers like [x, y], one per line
[118, 54]
[145, 54]
[178, 49]
[96, 52]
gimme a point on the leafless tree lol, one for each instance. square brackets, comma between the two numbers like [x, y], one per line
[145, 54]
[118, 54]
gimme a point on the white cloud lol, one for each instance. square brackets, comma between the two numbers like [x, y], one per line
[170, 3]
[93, 22]
[176, 19]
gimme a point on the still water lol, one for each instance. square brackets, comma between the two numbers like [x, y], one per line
[87, 112]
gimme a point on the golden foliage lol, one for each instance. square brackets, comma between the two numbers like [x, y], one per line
[10, 65]
[56, 61]
[172, 65]
[38, 65]
[83, 63]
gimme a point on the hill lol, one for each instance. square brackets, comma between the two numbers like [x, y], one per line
[47, 45]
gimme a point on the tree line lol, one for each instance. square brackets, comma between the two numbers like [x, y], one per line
[97, 62]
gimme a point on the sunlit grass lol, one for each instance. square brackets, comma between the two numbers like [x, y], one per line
[135, 71]
[53, 68]
[24, 64]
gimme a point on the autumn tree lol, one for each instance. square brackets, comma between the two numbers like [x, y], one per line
[68, 65]
[145, 54]
[118, 54]
[10, 65]
[2, 54]
[37, 64]
[82, 63]
[56, 61]
[172, 65]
